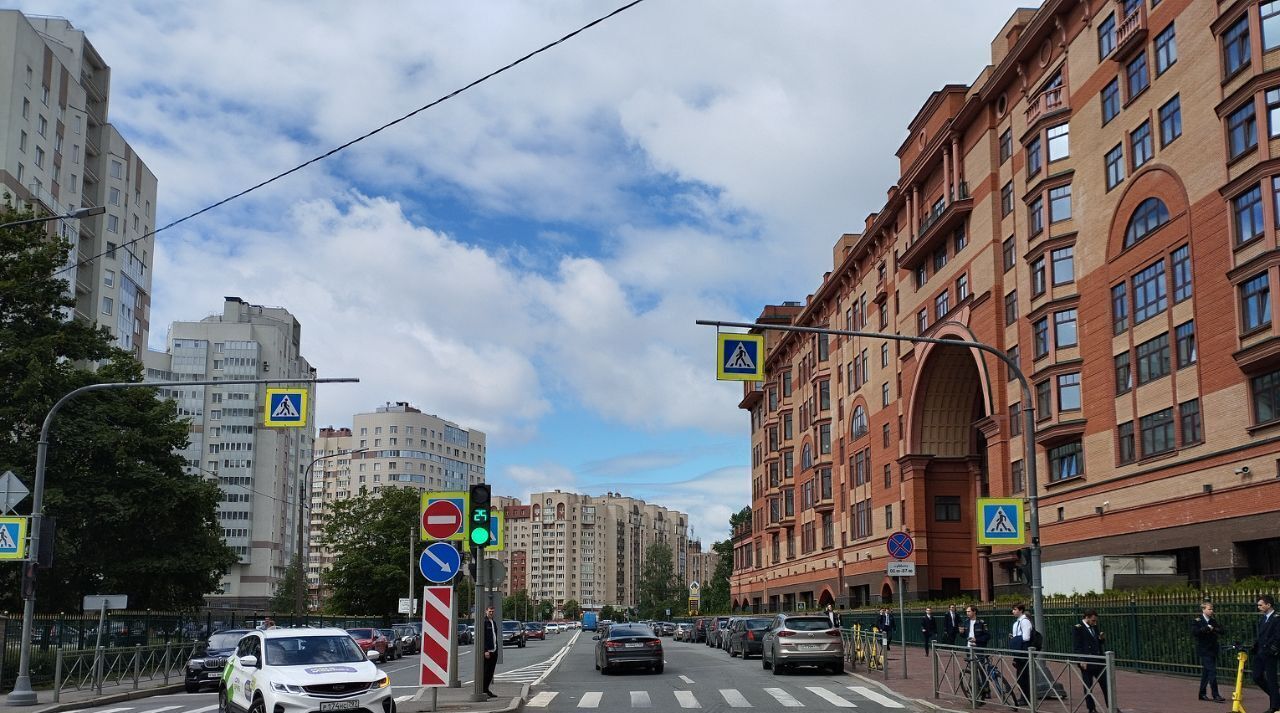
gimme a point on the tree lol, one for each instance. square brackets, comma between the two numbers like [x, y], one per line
[285, 599]
[368, 531]
[572, 610]
[546, 610]
[715, 595]
[130, 519]
[658, 586]
[608, 612]
[517, 606]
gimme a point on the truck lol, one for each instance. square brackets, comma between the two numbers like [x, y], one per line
[589, 620]
[1100, 573]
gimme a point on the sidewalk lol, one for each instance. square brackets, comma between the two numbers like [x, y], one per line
[71, 700]
[510, 697]
[1135, 692]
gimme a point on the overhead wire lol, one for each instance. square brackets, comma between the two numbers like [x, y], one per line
[356, 140]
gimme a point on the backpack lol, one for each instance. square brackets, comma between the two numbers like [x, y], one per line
[1037, 639]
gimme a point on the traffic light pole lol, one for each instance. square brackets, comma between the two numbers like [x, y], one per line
[482, 628]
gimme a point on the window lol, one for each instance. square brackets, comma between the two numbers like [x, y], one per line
[1035, 215]
[107, 305]
[1166, 50]
[1114, 161]
[1106, 36]
[859, 421]
[824, 352]
[113, 224]
[1015, 419]
[1064, 329]
[1063, 264]
[1235, 46]
[884, 355]
[962, 288]
[1034, 158]
[109, 280]
[1124, 373]
[1124, 437]
[942, 304]
[1270, 12]
[824, 438]
[1060, 203]
[1011, 308]
[1110, 101]
[1157, 432]
[1019, 477]
[1273, 112]
[824, 394]
[1181, 260]
[1140, 144]
[1119, 308]
[1149, 215]
[22, 141]
[888, 517]
[1006, 145]
[1059, 142]
[1185, 337]
[1170, 121]
[922, 320]
[1189, 422]
[1136, 73]
[39, 157]
[1037, 277]
[922, 276]
[884, 435]
[1011, 246]
[1242, 130]
[117, 169]
[1006, 199]
[1255, 302]
[939, 259]
[42, 125]
[786, 383]
[1013, 354]
[1247, 208]
[1153, 359]
[1069, 392]
[884, 394]
[1066, 461]
[959, 240]
[1040, 337]
[1265, 390]
[1149, 295]
[946, 508]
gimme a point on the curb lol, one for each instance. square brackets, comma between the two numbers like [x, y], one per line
[516, 703]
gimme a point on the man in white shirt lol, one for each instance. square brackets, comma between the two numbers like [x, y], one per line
[1020, 640]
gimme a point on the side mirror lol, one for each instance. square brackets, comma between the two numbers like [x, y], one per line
[373, 655]
[249, 661]
[596, 637]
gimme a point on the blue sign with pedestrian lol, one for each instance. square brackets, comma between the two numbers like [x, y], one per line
[900, 545]
[440, 562]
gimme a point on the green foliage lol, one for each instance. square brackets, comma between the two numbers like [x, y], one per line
[660, 589]
[371, 534]
[114, 480]
[608, 612]
[571, 609]
[518, 606]
[285, 599]
[546, 609]
[715, 593]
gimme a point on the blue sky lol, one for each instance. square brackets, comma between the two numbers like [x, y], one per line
[529, 257]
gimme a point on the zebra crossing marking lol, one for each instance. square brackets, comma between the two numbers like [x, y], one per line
[116, 710]
[163, 708]
[735, 698]
[640, 699]
[786, 699]
[590, 699]
[830, 697]
[686, 679]
[542, 700]
[885, 701]
[206, 709]
[687, 699]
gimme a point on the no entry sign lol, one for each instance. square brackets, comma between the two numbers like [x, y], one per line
[442, 519]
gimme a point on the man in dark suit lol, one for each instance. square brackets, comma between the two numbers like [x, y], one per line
[928, 629]
[833, 617]
[1206, 631]
[885, 623]
[951, 625]
[1088, 639]
[491, 643]
[1266, 651]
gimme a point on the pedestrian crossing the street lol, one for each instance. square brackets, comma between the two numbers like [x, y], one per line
[765, 698]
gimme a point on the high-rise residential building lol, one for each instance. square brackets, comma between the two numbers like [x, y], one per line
[395, 445]
[588, 548]
[701, 565]
[1100, 205]
[59, 154]
[259, 470]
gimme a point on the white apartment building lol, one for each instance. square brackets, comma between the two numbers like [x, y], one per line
[59, 154]
[259, 470]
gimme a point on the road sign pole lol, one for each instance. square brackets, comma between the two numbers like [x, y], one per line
[902, 621]
[477, 691]
[454, 681]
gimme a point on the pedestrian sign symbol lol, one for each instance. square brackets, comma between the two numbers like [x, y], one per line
[13, 538]
[1000, 521]
[285, 407]
[740, 357]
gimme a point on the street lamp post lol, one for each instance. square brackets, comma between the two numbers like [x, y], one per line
[22, 695]
[70, 215]
[300, 598]
[1029, 428]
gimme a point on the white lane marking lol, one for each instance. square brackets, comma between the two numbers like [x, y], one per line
[165, 708]
[687, 700]
[206, 709]
[590, 699]
[885, 701]
[640, 699]
[734, 698]
[830, 697]
[542, 700]
[558, 657]
[784, 698]
[686, 679]
[116, 710]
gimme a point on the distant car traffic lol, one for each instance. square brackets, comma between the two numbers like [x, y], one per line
[464, 634]
[684, 630]
[395, 649]
[205, 670]
[535, 630]
[802, 640]
[513, 634]
[628, 645]
[370, 640]
[410, 639]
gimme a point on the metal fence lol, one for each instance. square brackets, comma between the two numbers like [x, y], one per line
[95, 669]
[1033, 681]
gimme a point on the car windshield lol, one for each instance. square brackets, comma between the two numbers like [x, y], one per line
[808, 624]
[758, 624]
[361, 633]
[622, 632]
[225, 641]
[510, 626]
[304, 650]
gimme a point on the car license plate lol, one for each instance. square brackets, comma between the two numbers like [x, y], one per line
[339, 705]
[810, 647]
[633, 646]
[213, 674]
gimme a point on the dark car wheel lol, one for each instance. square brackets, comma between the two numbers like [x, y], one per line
[764, 661]
[191, 686]
[777, 667]
[657, 668]
[222, 700]
[257, 706]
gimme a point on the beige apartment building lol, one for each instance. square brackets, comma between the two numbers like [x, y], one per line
[701, 566]
[58, 154]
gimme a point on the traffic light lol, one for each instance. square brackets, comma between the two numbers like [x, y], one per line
[478, 518]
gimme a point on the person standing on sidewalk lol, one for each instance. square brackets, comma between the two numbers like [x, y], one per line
[1206, 631]
[491, 644]
[928, 629]
[1266, 651]
[951, 626]
[1087, 639]
[1020, 640]
[833, 617]
[885, 622]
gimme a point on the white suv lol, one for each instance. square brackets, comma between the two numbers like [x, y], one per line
[302, 670]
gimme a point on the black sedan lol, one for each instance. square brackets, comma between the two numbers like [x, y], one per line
[513, 634]
[205, 670]
[628, 645]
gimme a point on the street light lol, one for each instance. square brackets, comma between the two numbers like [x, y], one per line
[306, 492]
[76, 214]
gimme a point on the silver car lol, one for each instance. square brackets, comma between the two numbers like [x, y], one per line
[802, 640]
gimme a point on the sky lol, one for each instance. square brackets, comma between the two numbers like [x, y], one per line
[527, 258]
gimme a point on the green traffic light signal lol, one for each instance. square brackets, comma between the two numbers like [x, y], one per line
[480, 536]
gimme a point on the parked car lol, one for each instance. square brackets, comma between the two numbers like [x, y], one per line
[699, 632]
[746, 636]
[534, 630]
[395, 649]
[204, 670]
[628, 645]
[684, 632]
[410, 639]
[664, 628]
[722, 640]
[715, 627]
[369, 640]
[513, 634]
[802, 640]
[303, 670]
[464, 634]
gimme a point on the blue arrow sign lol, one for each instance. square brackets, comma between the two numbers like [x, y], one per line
[440, 562]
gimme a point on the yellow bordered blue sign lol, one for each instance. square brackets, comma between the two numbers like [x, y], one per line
[1000, 521]
[739, 357]
[13, 538]
[445, 520]
[285, 408]
[497, 540]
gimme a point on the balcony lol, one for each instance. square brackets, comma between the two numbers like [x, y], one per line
[753, 395]
[1047, 103]
[936, 228]
[824, 503]
[1131, 34]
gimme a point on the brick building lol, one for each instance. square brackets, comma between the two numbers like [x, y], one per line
[1098, 208]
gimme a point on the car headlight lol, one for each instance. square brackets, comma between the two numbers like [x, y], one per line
[286, 687]
[195, 663]
[382, 682]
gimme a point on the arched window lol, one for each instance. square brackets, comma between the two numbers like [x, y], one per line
[859, 422]
[806, 457]
[560, 511]
[1150, 214]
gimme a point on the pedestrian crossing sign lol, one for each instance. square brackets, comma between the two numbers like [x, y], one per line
[13, 538]
[740, 357]
[1000, 521]
[285, 408]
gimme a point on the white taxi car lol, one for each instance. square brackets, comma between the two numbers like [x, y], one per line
[301, 671]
